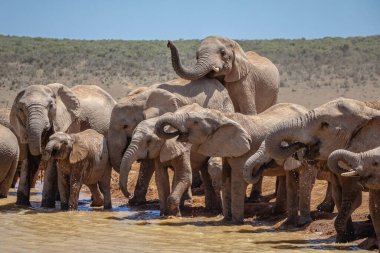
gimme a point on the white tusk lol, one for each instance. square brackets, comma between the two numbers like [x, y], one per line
[215, 69]
[351, 173]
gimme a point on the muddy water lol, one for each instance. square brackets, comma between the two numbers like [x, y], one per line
[126, 230]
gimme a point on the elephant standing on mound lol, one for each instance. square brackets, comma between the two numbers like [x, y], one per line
[340, 124]
[9, 153]
[365, 168]
[146, 103]
[41, 110]
[233, 136]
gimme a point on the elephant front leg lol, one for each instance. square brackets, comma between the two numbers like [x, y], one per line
[145, 174]
[255, 195]
[97, 198]
[307, 177]
[76, 178]
[328, 203]
[212, 202]
[64, 190]
[50, 185]
[292, 197]
[226, 191]
[374, 208]
[238, 189]
[280, 204]
[28, 171]
[163, 186]
[105, 188]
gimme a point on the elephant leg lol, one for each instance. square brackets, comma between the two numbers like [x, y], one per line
[6, 184]
[226, 191]
[327, 204]
[28, 171]
[351, 199]
[105, 188]
[145, 174]
[183, 177]
[256, 191]
[187, 198]
[76, 178]
[17, 174]
[280, 204]
[50, 185]
[64, 190]
[307, 177]
[212, 202]
[292, 197]
[163, 186]
[238, 189]
[197, 180]
[374, 203]
[97, 198]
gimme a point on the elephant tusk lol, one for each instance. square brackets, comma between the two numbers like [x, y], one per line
[351, 173]
[215, 69]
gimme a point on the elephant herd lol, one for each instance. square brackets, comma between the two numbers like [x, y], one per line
[224, 124]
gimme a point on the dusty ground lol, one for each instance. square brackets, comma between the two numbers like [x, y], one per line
[322, 222]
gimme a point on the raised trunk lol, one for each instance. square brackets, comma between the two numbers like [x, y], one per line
[253, 168]
[35, 127]
[129, 157]
[201, 68]
[350, 158]
[288, 137]
[176, 121]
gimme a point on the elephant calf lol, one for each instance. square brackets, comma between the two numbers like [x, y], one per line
[9, 152]
[82, 159]
[365, 167]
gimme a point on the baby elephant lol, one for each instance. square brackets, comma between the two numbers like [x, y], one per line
[82, 159]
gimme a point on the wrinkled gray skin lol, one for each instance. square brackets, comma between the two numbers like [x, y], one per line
[145, 144]
[340, 124]
[364, 166]
[251, 80]
[9, 153]
[82, 158]
[40, 110]
[146, 103]
[233, 136]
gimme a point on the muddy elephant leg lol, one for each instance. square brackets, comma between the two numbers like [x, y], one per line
[28, 171]
[50, 185]
[255, 195]
[374, 204]
[327, 204]
[145, 174]
[6, 184]
[292, 188]
[105, 188]
[17, 174]
[197, 180]
[280, 204]
[64, 190]
[212, 201]
[76, 178]
[163, 186]
[226, 191]
[97, 198]
[307, 177]
[351, 199]
[238, 189]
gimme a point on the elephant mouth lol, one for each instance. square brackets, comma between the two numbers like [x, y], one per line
[266, 166]
[183, 136]
[308, 153]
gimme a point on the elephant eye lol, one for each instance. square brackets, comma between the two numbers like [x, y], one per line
[375, 163]
[65, 142]
[324, 124]
[223, 52]
[125, 126]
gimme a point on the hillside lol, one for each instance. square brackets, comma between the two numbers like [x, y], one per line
[312, 71]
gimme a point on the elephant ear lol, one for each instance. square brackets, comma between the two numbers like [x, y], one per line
[240, 64]
[172, 149]
[228, 140]
[159, 102]
[16, 123]
[68, 107]
[79, 151]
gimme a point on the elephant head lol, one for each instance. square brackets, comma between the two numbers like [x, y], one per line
[210, 132]
[39, 110]
[130, 111]
[217, 57]
[321, 131]
[365, 165]
[59, 146]
[145, 144]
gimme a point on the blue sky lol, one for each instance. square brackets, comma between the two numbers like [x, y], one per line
[192, 19]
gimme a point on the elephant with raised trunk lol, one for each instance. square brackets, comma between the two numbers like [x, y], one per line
[251, 80]
[365, 168]
[340, 124]
[233, 136]
[38, 111]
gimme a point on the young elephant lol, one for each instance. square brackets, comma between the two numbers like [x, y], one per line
[365, 167]
[9, 153]
[82, 159]
[233, 136]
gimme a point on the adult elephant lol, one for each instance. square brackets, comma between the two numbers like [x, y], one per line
[146, 103]
[341, 123]
[365, 167]
[40, 110]
[251, 80]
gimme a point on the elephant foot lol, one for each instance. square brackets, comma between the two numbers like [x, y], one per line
[278, 209]
[64, 206]
[22, 200]
[290, 222]
[136, 201]
[370, 243]
[213, 205]
[3, 196]
[173, 206]
[97, 203]
[48, 203]
[327, 207]
[107, 206]
[303, 220]
[344, 237]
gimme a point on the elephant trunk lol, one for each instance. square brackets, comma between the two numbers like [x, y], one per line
[176, 121]
[350, 158]
[117, 144]
[129, 157]
[201, 68]
[47, 152]
[288, 137]
[36, 124]
[253, 168]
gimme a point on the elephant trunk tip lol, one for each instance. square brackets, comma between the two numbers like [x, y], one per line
[124, 190]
